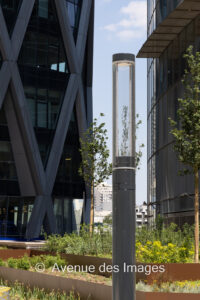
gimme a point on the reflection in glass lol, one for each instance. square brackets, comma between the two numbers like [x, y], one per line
[68, 182]
[77, 212]
[43, 9]
[8, 175]
[14, 215]
[67, 215]
[74, 9]
[63, 214]
[44, 72]
[58, 212]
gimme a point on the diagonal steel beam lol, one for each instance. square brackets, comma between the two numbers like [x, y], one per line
[89, 49]
[24, 175]
[5, 44]
[83, 124]
[5, 76]
[43, 207]
[27, 131]
[80, 108]
[21, 26]
[61, 132]
[83, 30]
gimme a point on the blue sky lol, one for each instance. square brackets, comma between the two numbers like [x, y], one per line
[120, 26]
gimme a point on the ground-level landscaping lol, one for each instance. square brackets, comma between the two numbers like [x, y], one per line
[166, 246]
[58, 283]
[158, 245]
[185, 286]
[18, 291]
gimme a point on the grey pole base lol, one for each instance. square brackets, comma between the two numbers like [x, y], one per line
[123, 233]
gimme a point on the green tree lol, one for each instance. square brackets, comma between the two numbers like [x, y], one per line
[108, 220]
[94, 167]
[187, 135]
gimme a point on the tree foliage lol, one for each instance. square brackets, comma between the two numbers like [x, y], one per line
[187, 135]
[95, 154]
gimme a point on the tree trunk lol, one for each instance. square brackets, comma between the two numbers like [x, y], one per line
[196, 211]
[92, 209]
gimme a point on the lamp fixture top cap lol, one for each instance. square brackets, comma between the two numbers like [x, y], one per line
[123, 56]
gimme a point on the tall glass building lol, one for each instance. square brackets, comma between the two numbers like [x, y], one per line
[172, 27]
[46, 62]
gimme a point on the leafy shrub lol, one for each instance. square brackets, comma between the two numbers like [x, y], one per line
[19, 263]
[48, 260]
[83, 244]
[23, 263]
[2, 263]
[155, 252]
[12, 262]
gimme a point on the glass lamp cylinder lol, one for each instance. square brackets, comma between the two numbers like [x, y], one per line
[123, 110]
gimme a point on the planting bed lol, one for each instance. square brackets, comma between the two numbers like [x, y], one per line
[93, 285]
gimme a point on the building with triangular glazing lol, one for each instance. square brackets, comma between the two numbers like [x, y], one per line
[46, 62]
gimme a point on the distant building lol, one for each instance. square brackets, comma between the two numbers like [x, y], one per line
[102, 202]
[141, 215]
[99, 216]
[103, 197]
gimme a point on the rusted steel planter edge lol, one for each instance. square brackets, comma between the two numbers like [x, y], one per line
[96, 291]
[173, 272]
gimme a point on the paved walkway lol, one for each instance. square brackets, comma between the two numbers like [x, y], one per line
[22, 245]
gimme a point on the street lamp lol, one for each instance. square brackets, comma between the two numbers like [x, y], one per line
[124, 175]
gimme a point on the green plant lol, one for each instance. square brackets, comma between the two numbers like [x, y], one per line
[48, 260]
[108, 219]
[157, 253]
[24, 263]
[171, 244]
[186, 131]
[21, 292]
[94, 166]
[12, 262]
[2, 263]
[171, 287]
[84, 244]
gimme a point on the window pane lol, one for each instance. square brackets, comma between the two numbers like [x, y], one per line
[43, 8]
[42, 114]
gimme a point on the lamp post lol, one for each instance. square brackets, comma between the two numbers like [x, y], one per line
[123, 175]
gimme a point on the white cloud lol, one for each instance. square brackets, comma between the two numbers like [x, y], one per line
[133, 23]
[128, 34]
[111, 27]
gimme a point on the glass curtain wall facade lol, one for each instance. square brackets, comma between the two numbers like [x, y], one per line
[42, 115]
[169, 194]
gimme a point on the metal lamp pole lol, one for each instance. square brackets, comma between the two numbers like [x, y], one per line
[123, 176]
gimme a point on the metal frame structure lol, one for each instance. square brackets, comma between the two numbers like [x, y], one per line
[33, 179]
